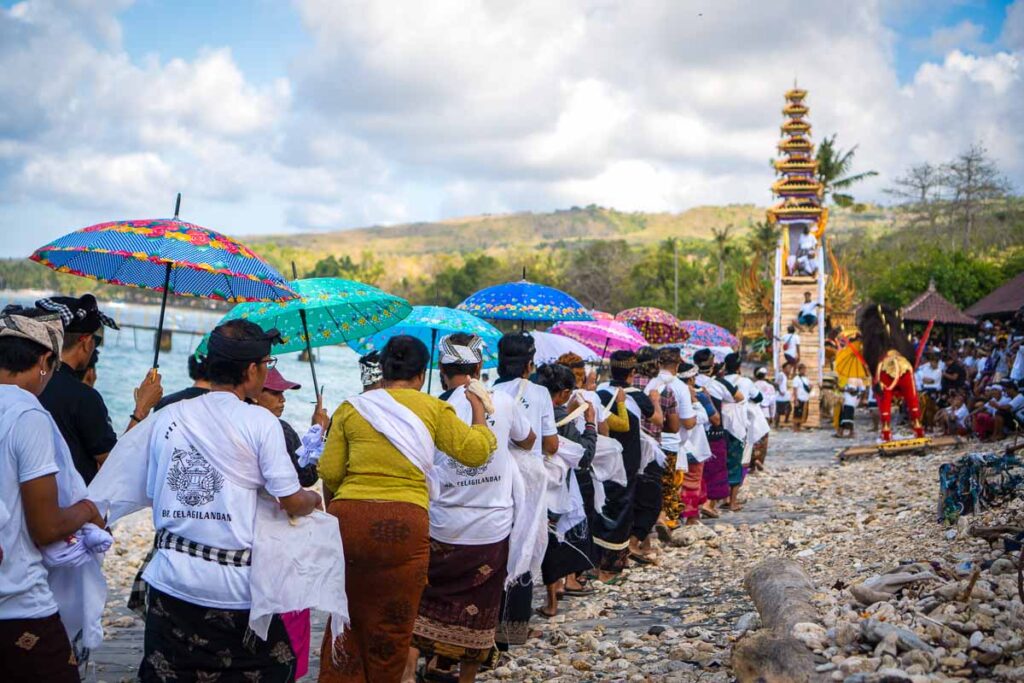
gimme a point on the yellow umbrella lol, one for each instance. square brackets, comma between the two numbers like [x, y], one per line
[848, 364]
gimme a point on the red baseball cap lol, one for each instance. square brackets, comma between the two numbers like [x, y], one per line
[276, 382]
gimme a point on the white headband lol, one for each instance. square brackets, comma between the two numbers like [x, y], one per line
[457, 354]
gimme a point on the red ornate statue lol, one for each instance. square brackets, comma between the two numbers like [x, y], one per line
[889, 356]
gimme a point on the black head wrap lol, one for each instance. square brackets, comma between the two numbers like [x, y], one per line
[251, 348]
[705, 361]
[81, 315]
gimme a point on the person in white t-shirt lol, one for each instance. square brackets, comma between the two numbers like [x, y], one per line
[669, 360]
[34, 645]
[802, 391]
[851, 399]
[515, 365]
[808, 316]
[208, 460]
[954, 418]
[790, 346]
[470, 523]
[783, 395]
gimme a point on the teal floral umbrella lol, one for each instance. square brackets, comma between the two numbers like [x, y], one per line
[328, 311]
[429, 324]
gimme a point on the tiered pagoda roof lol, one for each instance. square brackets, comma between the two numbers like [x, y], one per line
[799, 191]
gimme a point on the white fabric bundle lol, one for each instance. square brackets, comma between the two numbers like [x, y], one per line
[650, 451]
[120, 488]
[757, 427]
[607, 465]
[529, 530]
[77, 549]
[558, 469]
[480, 390]
[312, 446]
[274, 588]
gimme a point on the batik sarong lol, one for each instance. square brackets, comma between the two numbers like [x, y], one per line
[36, 650]
[716, 470]
[734, 460]
[188, 642]
[387, 553]
[671, 484]
[695, 491]
[460, 606]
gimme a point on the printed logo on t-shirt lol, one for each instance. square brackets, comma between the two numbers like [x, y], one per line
[194, 479]
[464, 470]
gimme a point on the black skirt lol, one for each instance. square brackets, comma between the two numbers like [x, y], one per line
[187, 642]
[846, 416]
[647, 507]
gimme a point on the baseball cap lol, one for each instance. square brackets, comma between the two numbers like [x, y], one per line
[276, 382]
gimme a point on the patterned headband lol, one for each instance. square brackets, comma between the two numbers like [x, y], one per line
[47, 331]
[370, 373]
[469, 353]
[67, 315]
[626, 364]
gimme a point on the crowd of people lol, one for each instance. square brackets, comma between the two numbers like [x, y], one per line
[447, 514]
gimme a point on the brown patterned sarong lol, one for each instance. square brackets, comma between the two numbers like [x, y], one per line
[387, 552]
[36, 650]
[459, 609]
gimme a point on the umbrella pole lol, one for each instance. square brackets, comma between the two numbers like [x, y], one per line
[309, 344]
[430, 362]
[163, 310]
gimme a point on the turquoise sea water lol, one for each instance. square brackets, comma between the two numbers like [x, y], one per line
[127, 354]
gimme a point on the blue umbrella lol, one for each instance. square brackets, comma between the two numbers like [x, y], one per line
[524, 301]
[429, 324]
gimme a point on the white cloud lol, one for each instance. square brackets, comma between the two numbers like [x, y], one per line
[965, 35]
[414, 111]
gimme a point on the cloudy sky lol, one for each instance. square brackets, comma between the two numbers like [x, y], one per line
[323, 114]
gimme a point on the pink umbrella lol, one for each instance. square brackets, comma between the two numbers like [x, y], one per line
[603, 336]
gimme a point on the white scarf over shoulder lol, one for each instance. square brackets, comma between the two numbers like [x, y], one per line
[297, 563]
[403, 428]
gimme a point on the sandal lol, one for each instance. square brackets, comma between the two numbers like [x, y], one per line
[579, 592]
[541, 612]
[615, 580]
[640, 559]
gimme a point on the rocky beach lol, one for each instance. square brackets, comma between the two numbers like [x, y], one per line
[896, 595]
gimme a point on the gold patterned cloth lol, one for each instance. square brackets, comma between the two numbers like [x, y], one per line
[459, 608]
[893, 364]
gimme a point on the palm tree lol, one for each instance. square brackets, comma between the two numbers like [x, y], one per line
[762, 242]
[834, 165]
[722, 246]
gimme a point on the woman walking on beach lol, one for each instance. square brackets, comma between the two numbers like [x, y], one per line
[378, 461]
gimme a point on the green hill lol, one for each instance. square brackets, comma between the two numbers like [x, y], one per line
[410, 249]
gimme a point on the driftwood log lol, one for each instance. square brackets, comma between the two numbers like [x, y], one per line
[781, 592]
[900, 447]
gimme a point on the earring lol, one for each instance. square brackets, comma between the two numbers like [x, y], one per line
[42, 373]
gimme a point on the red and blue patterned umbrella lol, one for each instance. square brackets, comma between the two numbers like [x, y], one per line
[704, 334]
[524, 301]
[656, 326]
[166, 255]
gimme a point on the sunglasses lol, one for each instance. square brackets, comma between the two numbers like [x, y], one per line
[271, 362]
